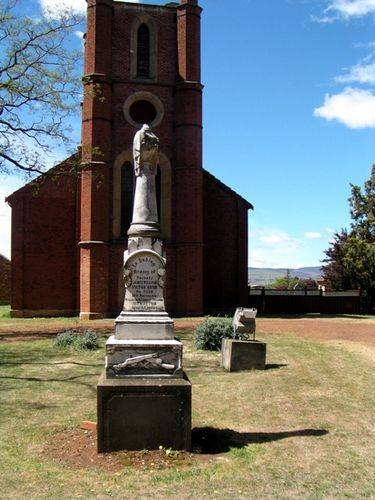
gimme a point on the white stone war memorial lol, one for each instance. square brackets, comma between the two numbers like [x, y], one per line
[144, 396]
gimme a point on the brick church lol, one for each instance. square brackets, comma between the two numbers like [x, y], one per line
[69, 234]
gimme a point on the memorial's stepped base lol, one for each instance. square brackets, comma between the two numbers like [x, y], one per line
[144, 414]
[130, 325]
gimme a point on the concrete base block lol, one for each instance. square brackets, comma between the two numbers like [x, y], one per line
[149, 326]
[238, 355]
[143, 414]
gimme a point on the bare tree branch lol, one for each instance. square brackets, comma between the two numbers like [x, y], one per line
[40, 86]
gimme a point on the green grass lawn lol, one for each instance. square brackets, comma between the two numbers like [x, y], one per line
[4, 311]
[5, 315]
[301, 429]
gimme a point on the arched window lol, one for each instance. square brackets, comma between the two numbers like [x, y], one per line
[143, 51]
[126, 197]
[123, 195]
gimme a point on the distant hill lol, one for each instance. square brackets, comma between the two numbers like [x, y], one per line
[265, 276]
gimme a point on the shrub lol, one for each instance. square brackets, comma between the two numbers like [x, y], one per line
[209, 334]
[89, 340]
[65, 339]
[77, 340]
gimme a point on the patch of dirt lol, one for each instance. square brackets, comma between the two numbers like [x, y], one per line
[77, 449]
[354, 330]
[44, 329]
[184, 324]
[314, 328]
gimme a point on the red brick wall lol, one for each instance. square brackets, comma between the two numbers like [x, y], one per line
[225, 246]
[4, 280]
[44, 246]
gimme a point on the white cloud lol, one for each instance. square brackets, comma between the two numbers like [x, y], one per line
[54, 8]
[276, 248]
[277, 238]
[271, 247]
[312, 235]
[5, 224]
[278, 258]
[347, 9]
[272, 239]
[353, 107]
[8, 185]
[361, 73]
[367, 45]
[79, 34]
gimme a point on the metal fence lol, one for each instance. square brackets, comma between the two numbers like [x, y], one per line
[269, 301]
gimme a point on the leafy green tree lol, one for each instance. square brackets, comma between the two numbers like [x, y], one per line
[350, 259]
[333, 270]
[362, 209]
[359, 263]
[287, 282]
[308, 283]
[40, 86]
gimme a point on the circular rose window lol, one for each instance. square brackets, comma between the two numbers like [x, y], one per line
[143, 112]
[143, 107]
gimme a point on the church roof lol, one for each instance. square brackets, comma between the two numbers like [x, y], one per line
[227, 189]
[65, 162]
[4, 259]
[54, 170]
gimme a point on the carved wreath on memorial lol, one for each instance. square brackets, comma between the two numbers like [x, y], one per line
[144, 361]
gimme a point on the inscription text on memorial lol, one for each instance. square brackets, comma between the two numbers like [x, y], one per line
[144, 272]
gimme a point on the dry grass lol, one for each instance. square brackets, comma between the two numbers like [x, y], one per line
[302, 428]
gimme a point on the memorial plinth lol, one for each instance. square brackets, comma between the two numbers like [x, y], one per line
[239, 355]
[144, 414]
[144, 396]
[242, 355]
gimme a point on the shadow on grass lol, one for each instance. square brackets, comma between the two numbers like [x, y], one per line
[275, 366]
[19, 336]
[13, 363]
[9, 408]
[214, 367]
[207, 368]
[208, 440]
[68, 380]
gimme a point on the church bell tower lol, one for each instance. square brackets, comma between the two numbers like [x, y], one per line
[142, 65]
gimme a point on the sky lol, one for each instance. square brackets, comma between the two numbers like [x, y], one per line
[289, 116]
